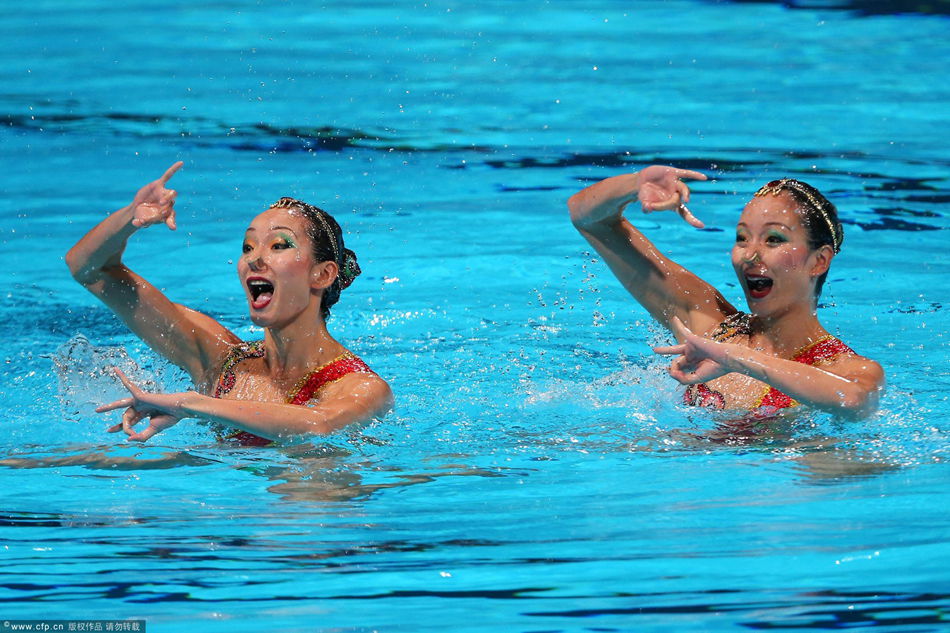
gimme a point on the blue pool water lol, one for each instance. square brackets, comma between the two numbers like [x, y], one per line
[538, 473]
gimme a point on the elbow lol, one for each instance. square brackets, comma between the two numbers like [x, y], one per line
[71, 261]
[81, 270]
[580, 218]
[862, 398]
[76, 268]
[859, 403]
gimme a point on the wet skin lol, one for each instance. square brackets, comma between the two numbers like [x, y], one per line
[772, 259]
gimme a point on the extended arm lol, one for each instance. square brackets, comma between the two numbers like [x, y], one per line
[851, 386]
[354, 398]
[188, 339]
[663, 287]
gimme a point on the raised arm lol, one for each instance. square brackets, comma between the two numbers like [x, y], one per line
[186, 338]
[354, 398]
[663, 287]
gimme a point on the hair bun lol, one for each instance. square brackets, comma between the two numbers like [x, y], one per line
[350, 269]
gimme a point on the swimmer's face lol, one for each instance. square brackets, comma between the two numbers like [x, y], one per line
[277, 269]
[771, 255]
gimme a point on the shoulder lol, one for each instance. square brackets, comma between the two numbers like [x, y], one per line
[220, 375]
[363, 389]
[855, 367]
[369, 383]
[721, 323]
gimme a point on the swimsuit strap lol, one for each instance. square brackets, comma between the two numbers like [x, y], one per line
[826, 348]
[345, 363]
[239, 352]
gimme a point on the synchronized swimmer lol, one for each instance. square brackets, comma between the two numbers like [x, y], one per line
[298, 380]
[777, 355]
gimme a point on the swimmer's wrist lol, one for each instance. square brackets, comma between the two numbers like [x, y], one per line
[632, 185]
[745, 361]
[735, 359]
[603, 202]
[128, 215]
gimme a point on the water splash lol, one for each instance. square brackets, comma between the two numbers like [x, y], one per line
[86, 379]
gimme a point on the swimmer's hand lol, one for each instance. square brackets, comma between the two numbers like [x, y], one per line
[161, 409]
[154, 204]
[698, 359]
[661, 188]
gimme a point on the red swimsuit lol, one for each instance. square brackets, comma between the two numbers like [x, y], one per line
[772, 400]
[305, 391]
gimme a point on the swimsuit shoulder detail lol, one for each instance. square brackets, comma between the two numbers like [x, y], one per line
[305, 391]
[824, 349]
[734, 325]
[344, 364]
[241, 351]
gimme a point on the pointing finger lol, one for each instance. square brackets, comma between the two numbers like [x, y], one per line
[170, 172]
[125, 380]
[118, 404]
[689, 173]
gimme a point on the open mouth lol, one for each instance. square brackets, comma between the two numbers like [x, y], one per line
[758, 286]
[262, 291]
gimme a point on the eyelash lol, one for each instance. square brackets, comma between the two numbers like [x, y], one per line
[771, 239]
[246, 248]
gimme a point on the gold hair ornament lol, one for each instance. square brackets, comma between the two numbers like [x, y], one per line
[777, 186]
[289, 203]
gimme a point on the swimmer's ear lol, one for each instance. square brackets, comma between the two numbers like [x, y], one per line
[323, 275]
[822, 260]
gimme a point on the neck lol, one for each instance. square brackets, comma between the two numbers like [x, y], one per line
[297, 348]
[783, 334]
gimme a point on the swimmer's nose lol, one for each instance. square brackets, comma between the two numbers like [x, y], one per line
[255, 262]
[751, 256]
